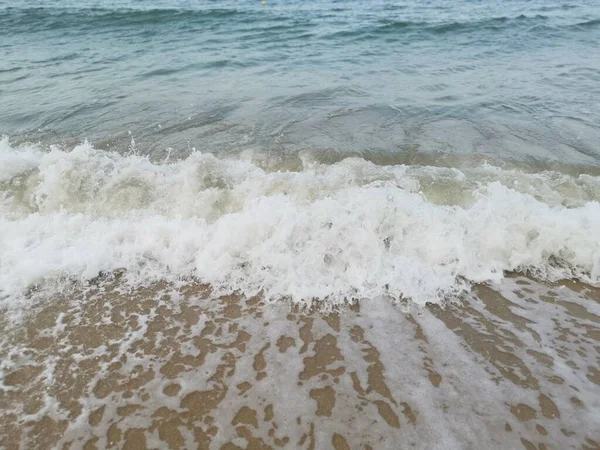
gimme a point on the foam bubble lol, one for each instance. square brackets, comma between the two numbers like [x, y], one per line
[348, 230]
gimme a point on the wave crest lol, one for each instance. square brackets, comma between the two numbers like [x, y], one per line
[348, 230]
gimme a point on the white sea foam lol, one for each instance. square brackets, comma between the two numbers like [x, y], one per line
[349, 230]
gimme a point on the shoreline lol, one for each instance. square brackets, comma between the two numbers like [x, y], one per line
[509, 366]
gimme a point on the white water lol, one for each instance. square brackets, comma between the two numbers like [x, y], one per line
[350, 230]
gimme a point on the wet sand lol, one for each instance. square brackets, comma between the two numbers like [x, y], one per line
[509, 366]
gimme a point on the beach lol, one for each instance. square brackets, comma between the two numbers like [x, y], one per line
[320, 224]
[508, 366]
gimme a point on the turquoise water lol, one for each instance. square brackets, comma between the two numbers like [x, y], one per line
[509, 80]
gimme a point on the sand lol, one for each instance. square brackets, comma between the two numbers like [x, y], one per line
[510, 366]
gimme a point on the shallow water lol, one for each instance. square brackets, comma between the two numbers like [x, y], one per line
[318, 224]
[396, 149]
[511, 366]
[510, 80]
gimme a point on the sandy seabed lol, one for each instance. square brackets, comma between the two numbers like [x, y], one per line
[510, 366]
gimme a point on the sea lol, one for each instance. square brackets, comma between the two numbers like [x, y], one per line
[303, 224]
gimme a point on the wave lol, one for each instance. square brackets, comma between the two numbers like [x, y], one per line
[588, 24]
[485, 24]
[329, 232]
[34, 19]
[536, 24]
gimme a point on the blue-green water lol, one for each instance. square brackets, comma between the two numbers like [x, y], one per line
[313, 149]
[517, 80]
[158, 155]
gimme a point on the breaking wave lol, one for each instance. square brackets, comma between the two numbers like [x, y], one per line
[329, 232]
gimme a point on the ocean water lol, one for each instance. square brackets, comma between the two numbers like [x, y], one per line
[300, 224]
[310, 150]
